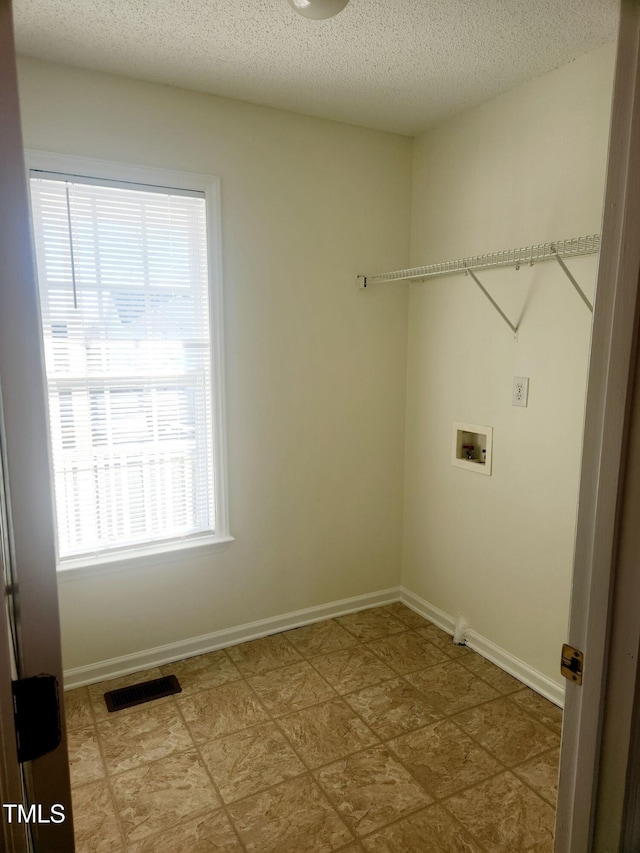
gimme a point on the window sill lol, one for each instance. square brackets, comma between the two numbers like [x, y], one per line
[142, 558]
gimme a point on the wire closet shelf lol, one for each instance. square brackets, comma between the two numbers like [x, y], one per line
[572, 248]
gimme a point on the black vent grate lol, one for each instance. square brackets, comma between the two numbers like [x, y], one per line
[146, 691]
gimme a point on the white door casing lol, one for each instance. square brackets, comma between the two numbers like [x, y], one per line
[592, 769]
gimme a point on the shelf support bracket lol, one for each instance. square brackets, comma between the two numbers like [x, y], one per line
[513, 328]
[569, 275]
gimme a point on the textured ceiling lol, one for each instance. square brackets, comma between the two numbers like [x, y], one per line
[398, 65]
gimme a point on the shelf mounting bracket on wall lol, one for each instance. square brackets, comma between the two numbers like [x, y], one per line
[513, 328]
[569, 275]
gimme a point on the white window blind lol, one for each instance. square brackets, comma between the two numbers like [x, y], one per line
[124, 300]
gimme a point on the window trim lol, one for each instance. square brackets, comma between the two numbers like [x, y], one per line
[144, 555]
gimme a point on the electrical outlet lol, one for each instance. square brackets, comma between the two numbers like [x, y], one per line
[520, 393]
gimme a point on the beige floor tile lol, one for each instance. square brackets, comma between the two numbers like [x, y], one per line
[263, 654]
[450, 687]
[203, 672]
[95, 823]
[97, 691]
[371, 624]
[540, 708]
[432, 830]
[541, 773]
[371, 789]
[220, 711]
[506, 731]
[153, 733]
[352, 669]
[294, 817]
[496, 677]
[444, 759]
[405, 614]
[153, 798]
[77, 708]
[85, 761]
[407, 652]
[401, 680]
[249, 761]
[392, 708]
[504, 815]
[209, 834]
[291, 688]
[325, 732]
[443, 641]
[320, 638]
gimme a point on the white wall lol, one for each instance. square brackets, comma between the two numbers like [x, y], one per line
[316, 368]
[525, 168]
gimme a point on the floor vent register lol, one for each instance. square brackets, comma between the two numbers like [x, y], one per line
[145, 691]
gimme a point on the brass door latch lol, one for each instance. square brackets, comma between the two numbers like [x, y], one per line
[572, 664]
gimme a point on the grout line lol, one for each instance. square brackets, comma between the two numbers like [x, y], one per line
[340, 757]
[552, 802]
[477, 740]
[395, 821]
[298, 755]
[533, 716]
[179, 821]
[469, 835]
[507, 770]
[107, 775]
[213, 782]
[355, 689]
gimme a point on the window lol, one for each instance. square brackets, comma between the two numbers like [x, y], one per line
[132, 363]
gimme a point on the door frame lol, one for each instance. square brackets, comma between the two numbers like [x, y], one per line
[593, 765]
[26, 473]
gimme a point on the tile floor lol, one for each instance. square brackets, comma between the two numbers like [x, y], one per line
[369, 733]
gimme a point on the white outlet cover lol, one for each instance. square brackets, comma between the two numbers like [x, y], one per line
[520, 392]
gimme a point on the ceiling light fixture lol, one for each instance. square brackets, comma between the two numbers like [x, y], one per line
[318, 9]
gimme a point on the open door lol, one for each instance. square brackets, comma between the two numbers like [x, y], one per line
[36, 796]
[604, 621]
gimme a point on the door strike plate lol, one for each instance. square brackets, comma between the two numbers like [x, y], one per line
[572, 664]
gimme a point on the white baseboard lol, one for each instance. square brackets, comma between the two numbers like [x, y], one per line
[500, 657]
[428, 611]
[148, 658]
[519, 669]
